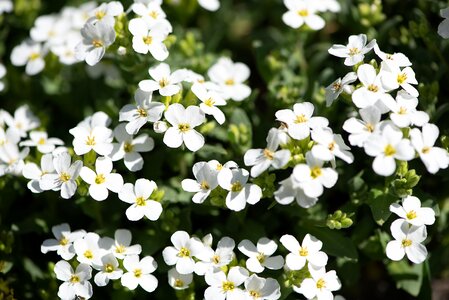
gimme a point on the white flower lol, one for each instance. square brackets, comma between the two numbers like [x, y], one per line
[338, 86]
[361, 130]
[240, 192]
[66, 50]
[184, 120]
[139, 273]
[443, 28]
[6, 6]
[260, 255]
[434, 158]
[98, 139]
[88, 249]
[98, 119]
[102, 180]
[302, 12]
[210, 100]
[386, 147]
[40, 140]
[320, 286]
[299, 121]
[211, 260]
[181, 255]
[312, 176]
[222, 286]
[404, 113]
[150, 12]
[309, 251]
[354, 51]
[10, 136]
[96, 38]
[329, 145]
[29, 54]
[211, 5]
[179, 281]
[121, 246]
[262, 159]
[229, 77]
[50, 29]
[108, 270]
[65, 177]
[63, 244]
[144, 111]
[163, 80]
[206, 181]
[407, 241]
[148, 38]
[33, 172]
[412, 212]
[76, 283]
[261, 288]
[290, 190]
[393, 77]
[106, 12]
[219, 167]
[372, 91]
[139, 197]
[23, 121]
[398, 59]
[128, 148]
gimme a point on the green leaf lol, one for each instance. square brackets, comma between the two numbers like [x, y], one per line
[379, 202]
[334, 243]
[408, 277]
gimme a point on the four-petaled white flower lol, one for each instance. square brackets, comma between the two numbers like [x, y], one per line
[29, 54]
[329, 145]
[210, 100]
[76, 283]
[386, 147]
[106, 12]
[206, 181]
[33, 172]
[139, 273]
[240, 192]
[320, 286]
[179, 281]
[222, 286]
[412, 212]
[309, 251]
[40, 140]
[260, 255]
[128, 148]
[398, 59]
[121, 245]
[88, 249]
[404, 113]
[102, 180]
[299, 121]
[23, 121]
[108, 270]
[149, 38]
[354, 52]
[262, 159]
[164, 80]
[211, 260]
[151, 12]
[63, 244]
[312, 176]
[407, 241]
[181, 255]
[302, 12]
[139, 197]
[338, 86]
[434, 158]
[98, 139]
[393, 77]
[361, 130]
[183, 121]
[289, 190]
[262, 288]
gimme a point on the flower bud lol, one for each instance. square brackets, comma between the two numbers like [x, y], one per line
[160, 126]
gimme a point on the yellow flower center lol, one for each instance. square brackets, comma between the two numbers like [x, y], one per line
[373, 88]
[261, 257]
[100, 179]
[184, 252]
[178, 283]
[230, 81]
[140, 201]
[303, 251]
[88, 254]
[300, 119]
[120, 249]
[153, 14]
[163, 82]
[216, 259]
[204, 185]
[184, 127]
[209, 102]
[389, 150]
[411, 215]
[74, 279]
[41, 141]
[254, 294]
[268, 154]
[64, 177]
[402, 110]
[425, 150]
[406, 243]
[128, 147]
[331, 146]
[109, 268]
[63, 241]
[320, 284]
[369, 127]
[90, 141]
[137, 273]
[34, 56]
[142, 112]
[336, 86]
[354, 51]
[315, 172]
[100, 14]
[147, 40]
[97, 43]
[402, 78]
[228, 286]
[236, 187]
[219, 167]
[303, 12]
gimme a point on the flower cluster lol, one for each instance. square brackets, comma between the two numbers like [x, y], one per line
[396, 137]
[112, 259]
[224, 275]
[410, 230]
[306, 12]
